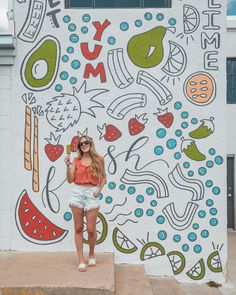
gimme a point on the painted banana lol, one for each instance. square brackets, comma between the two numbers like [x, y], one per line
[190, 149]
[206, 128]
[125, 103]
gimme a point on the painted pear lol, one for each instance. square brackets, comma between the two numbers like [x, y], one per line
[146, 49]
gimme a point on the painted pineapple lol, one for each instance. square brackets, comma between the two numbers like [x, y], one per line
[64, 111]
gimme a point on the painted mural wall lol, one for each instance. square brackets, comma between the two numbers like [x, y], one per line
[148, 85]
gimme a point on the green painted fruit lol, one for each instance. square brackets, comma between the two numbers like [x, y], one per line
[197, 272]
[146, 49]
[151, 250]
[40, 66]
[177, 261]
[214, 262]
[122, 243]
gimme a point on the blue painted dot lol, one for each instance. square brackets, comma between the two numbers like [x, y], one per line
[138, 212]
[202, 171]
[111, 185]
[212, 152]
[161, 133]
[171, 143]
[158, 150]
[209, 202]
[195, 226]
[178, 132]
[74, 38]
[86, 18]
[150, 191]
[209, 183]
[100, 196]
[192, 237]
[209, 164]
[160, 219]
[75, 64]
[148, 16]
[202, 213]
[70, 49]
[213, 221]
[213, 211]
[160, 16]
[65, 58]
[216, 190]
[185, 247]
[67, 216]
[58, 87]
[140, 198]
[111, 40]
[73, 80]
[190, 173]
[172, 21]
[122, 187]
[218, 160]
[162, 235]
[64, 75]
[177, 156]
[177, 238]
[197, 248]
[194, 121]
[84, 30]
[108, 199]
[204, 233]
[131, 190]
[184, 115]
[184, 125]
[124, 26]
[66, 19]
[153, 203]
[186, 165]
[178, 105]
[138, 23]
[149, 212]
[72, 27]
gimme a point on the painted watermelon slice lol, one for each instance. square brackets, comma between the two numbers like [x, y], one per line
[33, 225]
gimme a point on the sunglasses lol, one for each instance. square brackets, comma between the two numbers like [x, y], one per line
[84, 143]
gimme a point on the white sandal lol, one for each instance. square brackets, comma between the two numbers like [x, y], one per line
[91, 262]
[82, 267]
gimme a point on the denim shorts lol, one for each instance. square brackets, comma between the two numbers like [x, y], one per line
[82, 197]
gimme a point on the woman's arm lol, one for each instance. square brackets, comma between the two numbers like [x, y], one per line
[102, 181]
[70, 170]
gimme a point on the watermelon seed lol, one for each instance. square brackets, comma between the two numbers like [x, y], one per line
[27, 210]
[27, 223]
[40, 236]
[53, 233]
[35, 230]
[25, 202]
[45, 227]
[40, 221]
[33, 218]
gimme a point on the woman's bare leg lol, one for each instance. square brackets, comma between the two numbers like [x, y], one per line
[91, 217]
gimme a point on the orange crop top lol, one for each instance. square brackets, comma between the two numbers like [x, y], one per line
[83, 174]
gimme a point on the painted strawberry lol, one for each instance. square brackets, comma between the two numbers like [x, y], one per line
[166, 118]
[53, 149]
[109, 132]
[137, 124]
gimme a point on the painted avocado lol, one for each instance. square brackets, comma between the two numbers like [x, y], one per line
[40, 66]
[146, 49]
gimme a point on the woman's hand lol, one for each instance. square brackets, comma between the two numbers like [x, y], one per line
[67, 161]
[96, 193]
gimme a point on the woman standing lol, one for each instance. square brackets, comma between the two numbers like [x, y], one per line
[87, 172]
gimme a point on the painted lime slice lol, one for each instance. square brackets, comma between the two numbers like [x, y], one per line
[151, 250]
[177, 60]
[177, 261]
[191, 19]
[197, 272]
[214, 262]
[101, 228]
[122, 243]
